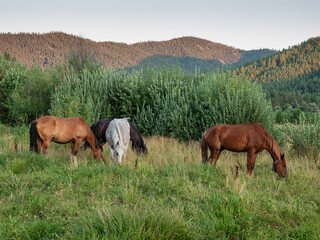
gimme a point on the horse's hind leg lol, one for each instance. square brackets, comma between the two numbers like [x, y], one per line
[46, 144]
[214, 155]
[40, 144]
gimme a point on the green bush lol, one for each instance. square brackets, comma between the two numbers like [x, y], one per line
[165, 102]
[196, 103]
[31, 97]
[305, 136]
[11, 75]
[25, 93]
[162, 101]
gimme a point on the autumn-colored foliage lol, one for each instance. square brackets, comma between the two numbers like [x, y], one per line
[47, 50]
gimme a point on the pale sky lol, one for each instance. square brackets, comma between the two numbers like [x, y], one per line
[244, 24]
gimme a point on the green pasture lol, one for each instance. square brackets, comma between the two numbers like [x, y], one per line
[168, 194]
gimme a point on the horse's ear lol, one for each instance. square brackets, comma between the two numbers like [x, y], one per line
[282, 156]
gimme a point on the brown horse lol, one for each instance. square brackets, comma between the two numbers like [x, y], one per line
[251, 138]
[62, 130]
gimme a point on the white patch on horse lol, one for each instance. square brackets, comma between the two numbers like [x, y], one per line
[118, 137]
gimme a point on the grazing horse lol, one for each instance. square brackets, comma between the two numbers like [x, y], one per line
[62, 130]
[118, 137]
[251, 138]
[99, 130]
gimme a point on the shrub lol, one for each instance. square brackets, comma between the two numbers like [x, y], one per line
[11, 75]
[305, 137]
[166, 101]
[31, 97]
[162, 101]
[25, 93]
[199, 102]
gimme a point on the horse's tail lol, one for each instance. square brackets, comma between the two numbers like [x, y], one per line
[33, 137]
[204, 149]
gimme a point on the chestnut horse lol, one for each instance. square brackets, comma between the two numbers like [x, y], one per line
[251, 138]
[99, 130]
[62, 130]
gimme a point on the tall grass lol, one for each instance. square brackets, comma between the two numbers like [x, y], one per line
[171, 195]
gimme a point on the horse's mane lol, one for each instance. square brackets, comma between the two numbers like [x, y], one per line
[137, 141]
[118, 130]
[91, 134]
[95, 137]
[271, 142]
[136, 132]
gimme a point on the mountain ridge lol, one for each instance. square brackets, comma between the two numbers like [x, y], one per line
[49, 49]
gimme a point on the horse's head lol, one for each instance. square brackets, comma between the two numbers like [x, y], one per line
[97, 152]
[119, 152]
[141, 149]
[280, 166]
[145, 150]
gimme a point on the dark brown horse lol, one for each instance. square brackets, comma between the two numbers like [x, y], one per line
[62, 130]
[99, 130]
[251, 138]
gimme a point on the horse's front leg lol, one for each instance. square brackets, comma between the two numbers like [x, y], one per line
[111, 152]
[74, 151]
[251, 159]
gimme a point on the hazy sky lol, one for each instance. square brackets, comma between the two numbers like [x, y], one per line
[244, 24]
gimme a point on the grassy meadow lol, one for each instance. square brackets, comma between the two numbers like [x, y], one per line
[168, 194]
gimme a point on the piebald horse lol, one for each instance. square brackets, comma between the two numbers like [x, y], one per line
[251, 138]
[99, 130]
[118, 137]
[62, 130]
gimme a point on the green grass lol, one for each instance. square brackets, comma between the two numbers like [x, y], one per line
[170, 195]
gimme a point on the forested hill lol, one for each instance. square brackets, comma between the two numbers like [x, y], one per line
[291, 78]
[288, 64]
[47, 50]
